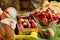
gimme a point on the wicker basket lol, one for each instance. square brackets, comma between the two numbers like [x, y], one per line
[26, 30]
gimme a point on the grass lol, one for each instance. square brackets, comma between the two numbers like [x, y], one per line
[57, 34]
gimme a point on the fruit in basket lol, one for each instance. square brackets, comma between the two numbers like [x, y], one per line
[29, 25]
[46, 16]
[33, 24]
[37, 14]
[25, 25]
[45, 19]
[22, 20]
[27, 22]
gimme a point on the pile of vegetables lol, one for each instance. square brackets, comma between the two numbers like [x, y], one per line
[46, 20]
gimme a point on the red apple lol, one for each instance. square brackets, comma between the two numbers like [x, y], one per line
[29, 25]
[48, 15]
[37, 14]
[22, 20]
[45, 19]
[33, 25]
[25, 23]
[19, 21]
